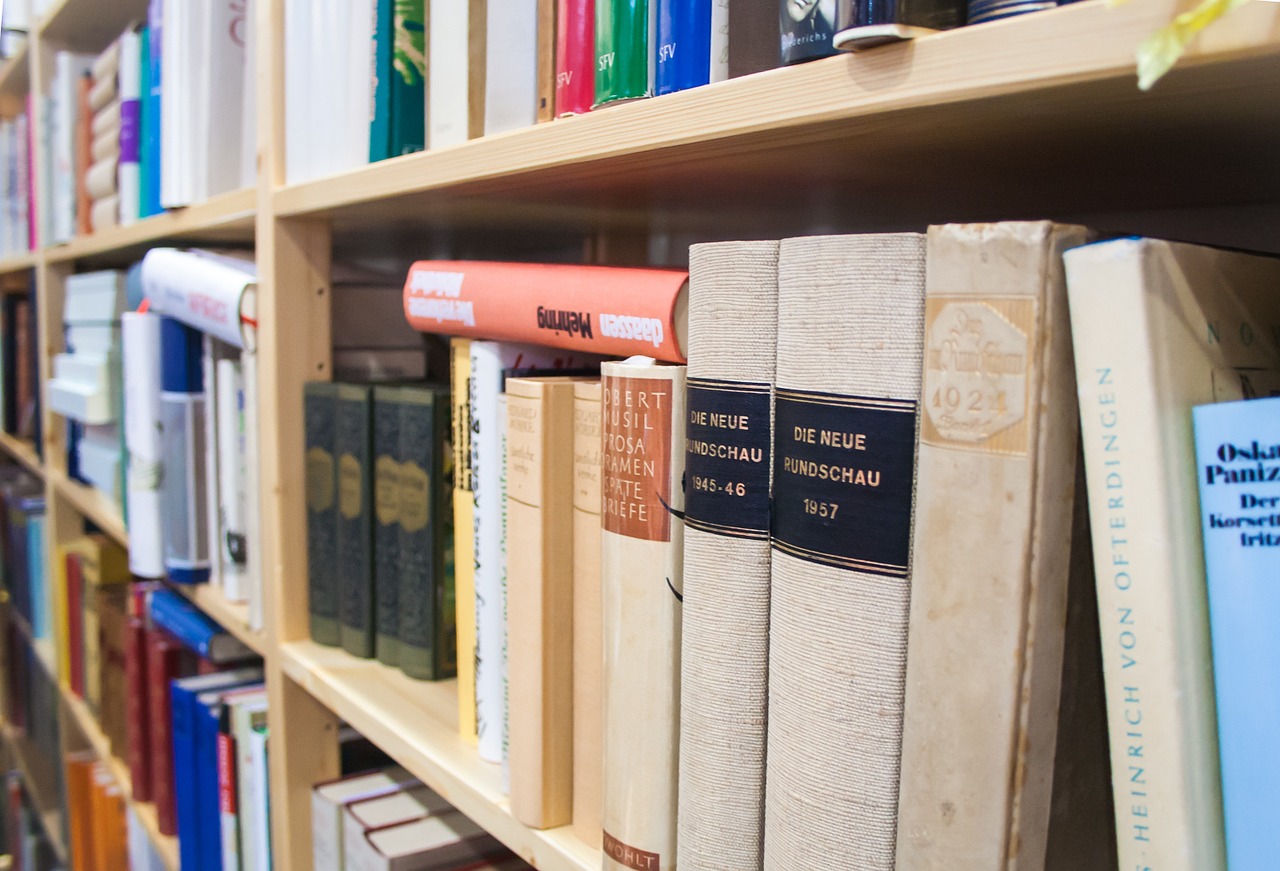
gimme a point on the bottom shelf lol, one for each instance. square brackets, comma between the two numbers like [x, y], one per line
[39, 784]
[166, 845]
[416, 723]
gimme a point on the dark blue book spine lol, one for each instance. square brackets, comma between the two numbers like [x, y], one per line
[209, 814]
[182, 703]
[184, 621]
[683, 58]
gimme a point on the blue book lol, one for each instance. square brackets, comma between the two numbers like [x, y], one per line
[149, 156]
[1238, 459]
[683, 45]
[40, 622]
[196, 630]
[184, 711]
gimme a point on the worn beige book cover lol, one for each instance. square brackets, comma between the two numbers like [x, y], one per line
[588, 615]
[850, 319]
[724, 665]
[643, 410]
[464, 552]
[1159, 327]
[992, 542]
[540, 599]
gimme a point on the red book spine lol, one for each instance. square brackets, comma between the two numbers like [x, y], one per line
[75, 624]
[575, 56]
[138, 711]
[163, 659]
[227, 803]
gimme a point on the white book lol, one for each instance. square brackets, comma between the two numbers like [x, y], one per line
[511, 66]
[220, 116]
[212, 353]
[357, 36]
[249, 107]
[445, 841]
[448, 74]
[69, 69]
[719, 40]
[203, 290]
[231, 477]
[174, 100]
[328, 800]
[129, 173]
[393, 809]
[297, 42]
[144, 441]
[245, 710]
[491, 363]
[260, 813]
[94, 297]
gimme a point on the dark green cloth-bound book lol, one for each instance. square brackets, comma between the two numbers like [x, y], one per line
[428, 631]
[386, 527]
[319, 404]
[353, 449]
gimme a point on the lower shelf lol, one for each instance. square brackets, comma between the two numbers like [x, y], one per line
[39, 782]
[92, 504]
[23, 451]
[166, 845]
[416, 723]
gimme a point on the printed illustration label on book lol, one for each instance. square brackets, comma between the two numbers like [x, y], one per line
[977, 354]
[630, 857]
[386, 487]
[843, 473]
[414, 497]
[319, 479]
[637, 457]
[350, 485]
[727, 458]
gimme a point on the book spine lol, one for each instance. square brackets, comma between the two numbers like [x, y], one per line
[150, 154]
[1238, 458]
[925, 14]
[319, 411]
[182, 491]
[590, 309]
[383, 38]
[129, 178]
[213, 485]
[386, 530]
[140, 341]
[228, 811]
[719, 55]
[624, 40]
[137, 708]
[539, 500]
[843, 469]
[991, 561]
[208, 816]
[175, 615]
[83, 156]
[683, 45]
[642, 556]
[486, 461]
[448, 95]
[231, 478]
[203, 291]
[428, 642]
[408, 78]
[807, 30]
[546, 75]
[725, 633]
[511, 66]
[75, 622]
[588, 615]
[162, 666]
[353, 419]
[463, 534]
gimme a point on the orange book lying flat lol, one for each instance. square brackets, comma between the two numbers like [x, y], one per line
[599, 309]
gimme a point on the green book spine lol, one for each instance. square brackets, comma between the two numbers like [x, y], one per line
[624, 34]
[386, 530]
[380, 123]
[319, 408]
[352, 445]
[408, 77]
[428, 631]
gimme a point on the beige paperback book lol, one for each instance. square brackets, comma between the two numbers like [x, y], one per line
[588, 615]
[991, 552]
[733, 306]
[642, 561]
[1160, 327]
[850, 319]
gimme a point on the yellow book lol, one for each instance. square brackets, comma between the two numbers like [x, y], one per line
[464, 564]
[102, 563]
[61, 628]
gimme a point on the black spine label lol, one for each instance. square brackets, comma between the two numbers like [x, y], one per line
[727, 457]
[842, 482]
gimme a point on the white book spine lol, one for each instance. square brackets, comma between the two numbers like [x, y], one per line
[502, 605]
[249, 107]
[297, 31]
[200, 291]
[511, 66]
[173, 57]
[129, 177]
[448, 73]
[212, 476]
[140, 339]
[221, 116]
[231, 478]
[357, 37]
[719, 40]
[259, 812]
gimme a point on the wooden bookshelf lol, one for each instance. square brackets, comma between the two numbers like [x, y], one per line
[416, 722]
[43, 648]
[234, 616]
[19, 263]
[88, 25]
[91, 504]
[23, 451]
[38, 776]
[87, 724]
[15, 76]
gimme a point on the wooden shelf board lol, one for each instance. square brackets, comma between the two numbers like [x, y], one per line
[224, 218]
[416, 723]
[233, 616]
[88, 25]
[23, 451]
[44, 648]
[1032, 114]
[87, 724]
[19, 263]
[92, 504]
[39, 787]
[15, 72]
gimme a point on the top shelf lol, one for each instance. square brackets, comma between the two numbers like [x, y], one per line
[89, 25]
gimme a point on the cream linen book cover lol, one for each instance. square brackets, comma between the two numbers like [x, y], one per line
[643, 412]
[1160, 327]
[540, 599]
[724, 664]
[850, 320]
[588, 615]
[457, 36]
[992, 542]
[464, 551]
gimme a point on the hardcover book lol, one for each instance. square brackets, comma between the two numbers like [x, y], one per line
[642, 551]
[398, 125]
[386, 529]
[624, 49]
[843, 476]
[464, 552]
[691, 44]
[996, 464]
[807, 27]
[575, 56]
[1159, 327]
[351, 450]
[455, 77]
[588, 615]
[724, 681]
[320, 400]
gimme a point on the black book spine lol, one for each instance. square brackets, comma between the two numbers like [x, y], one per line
[319, 409]
[386, 529]
[353, 447]
[928, 14]
[10, 313]
[428, 631]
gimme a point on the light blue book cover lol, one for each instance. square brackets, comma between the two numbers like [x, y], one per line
[40, 617]
[1238, 455]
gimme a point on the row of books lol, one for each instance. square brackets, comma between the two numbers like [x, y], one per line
[22, 537]
[20, 396]
[15, 186]
[950, 365]
[386, 819]
[27, 843]
[162, 118]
